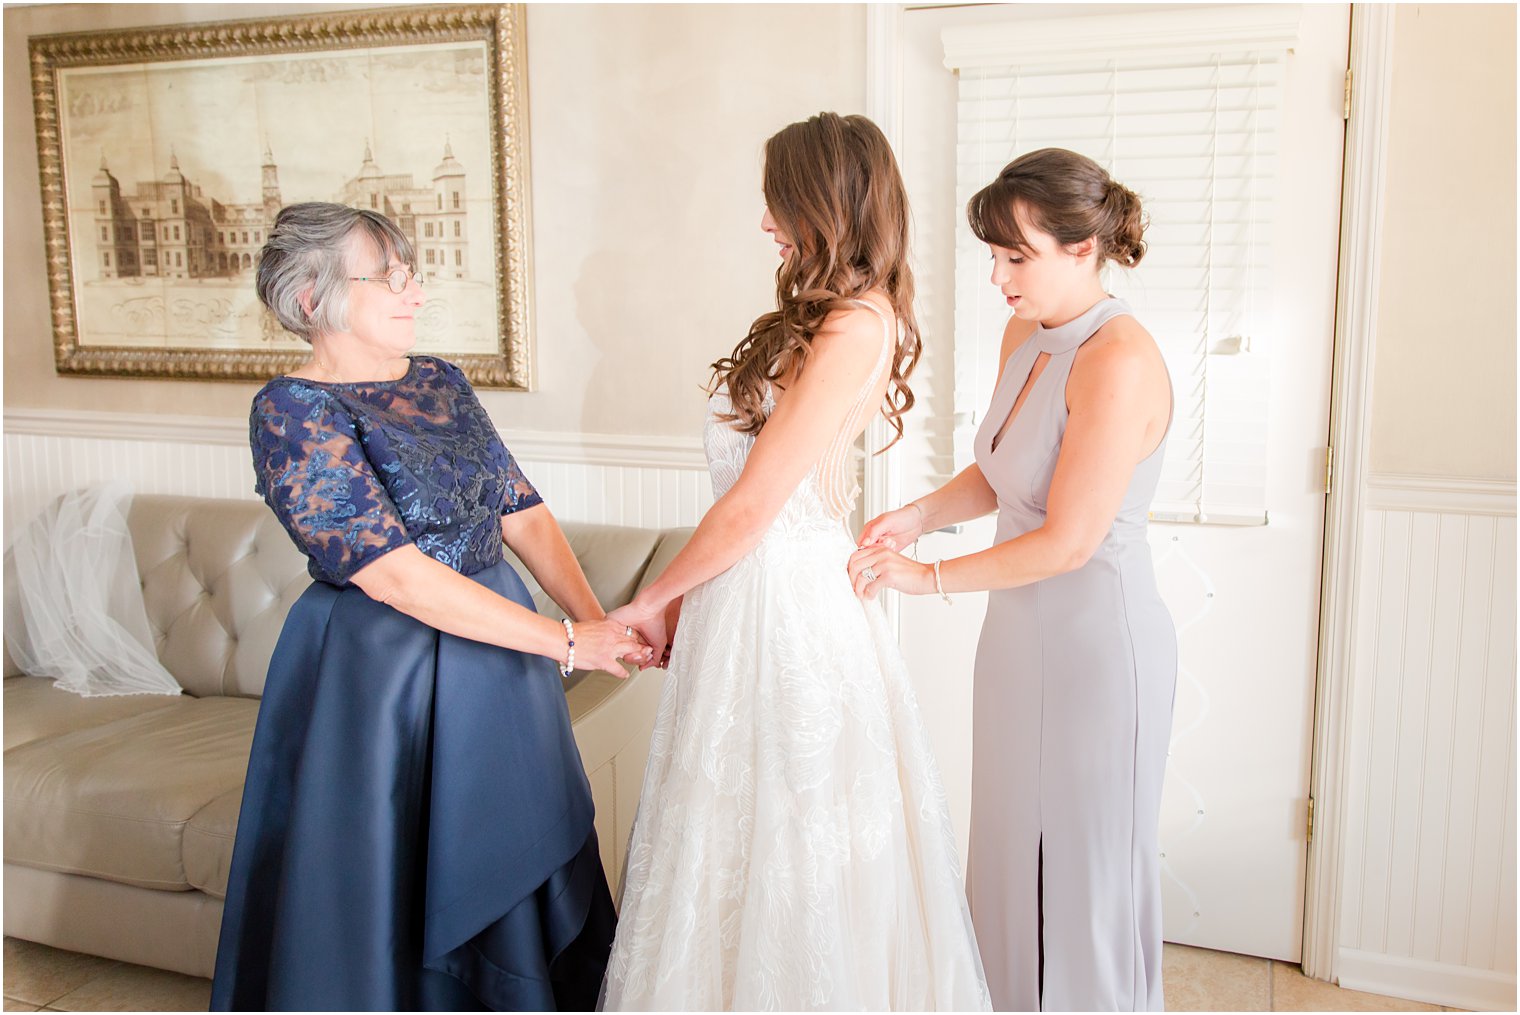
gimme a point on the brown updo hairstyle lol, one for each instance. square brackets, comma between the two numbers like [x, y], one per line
[832, 184]
[1064, 194]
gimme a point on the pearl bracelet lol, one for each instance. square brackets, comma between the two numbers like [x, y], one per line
[938, 585]
[569, 666]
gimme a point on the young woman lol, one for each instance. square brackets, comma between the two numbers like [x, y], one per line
[793, 849]
[1077, 664]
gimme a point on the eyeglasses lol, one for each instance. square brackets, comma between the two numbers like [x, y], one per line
[396, 280]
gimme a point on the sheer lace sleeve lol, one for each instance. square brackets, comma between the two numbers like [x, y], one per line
[520, 493]
[311, 470]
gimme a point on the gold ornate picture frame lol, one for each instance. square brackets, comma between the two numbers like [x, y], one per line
[165, 154]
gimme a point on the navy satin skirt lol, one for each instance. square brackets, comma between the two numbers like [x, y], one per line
[416, 829]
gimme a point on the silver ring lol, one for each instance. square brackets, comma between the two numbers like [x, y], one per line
[870, 575]
[627, 632]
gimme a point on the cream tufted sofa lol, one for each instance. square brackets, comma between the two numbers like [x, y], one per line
[120, 812]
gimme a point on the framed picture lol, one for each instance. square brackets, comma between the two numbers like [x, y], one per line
[167, 153]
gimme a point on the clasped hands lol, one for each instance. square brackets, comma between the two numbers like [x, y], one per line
[652, 621]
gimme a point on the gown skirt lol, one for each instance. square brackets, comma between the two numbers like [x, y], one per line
[793, 849]
[416, 827]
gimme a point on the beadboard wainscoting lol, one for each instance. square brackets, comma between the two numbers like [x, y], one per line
[655, 482]
[1428, 873]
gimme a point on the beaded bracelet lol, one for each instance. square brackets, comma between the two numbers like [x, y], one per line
[938, 586]
[569, 666]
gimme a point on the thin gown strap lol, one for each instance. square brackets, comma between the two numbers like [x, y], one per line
[837, 483]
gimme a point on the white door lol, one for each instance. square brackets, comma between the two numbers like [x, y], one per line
[1245, 598]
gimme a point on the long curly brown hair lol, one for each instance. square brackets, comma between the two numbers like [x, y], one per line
[832, 184]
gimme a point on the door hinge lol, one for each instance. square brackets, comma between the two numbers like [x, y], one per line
[1329, 466]
[1309, 830]
[1346, 103]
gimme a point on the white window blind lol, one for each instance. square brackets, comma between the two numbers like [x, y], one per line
[1192, 128]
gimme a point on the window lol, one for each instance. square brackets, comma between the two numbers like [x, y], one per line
[245, 236]
[456, 227]
[456, 200]
[428, 230]
[173, 206]
[179, 260]
[256, 238]
[105, 234]
[150, 257]
[374, 201]
[458, 257]
[107, 256]
[1193, 132]
[176, 232]
[430, 256]
[221, 237]
[440, 202]
[102, 207]
[247, 261]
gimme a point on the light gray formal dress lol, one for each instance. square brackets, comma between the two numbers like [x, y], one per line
[1075, 678]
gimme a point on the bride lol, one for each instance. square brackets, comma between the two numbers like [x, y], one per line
[793, 848]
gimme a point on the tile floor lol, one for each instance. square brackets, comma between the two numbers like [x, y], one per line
[38, 978]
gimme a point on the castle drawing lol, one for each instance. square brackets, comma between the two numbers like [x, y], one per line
[169, 229]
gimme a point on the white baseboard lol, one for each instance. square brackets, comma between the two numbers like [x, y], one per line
[1431, 982]
[1392, 491]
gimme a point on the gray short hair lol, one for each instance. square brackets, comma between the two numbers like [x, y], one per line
[308, 249]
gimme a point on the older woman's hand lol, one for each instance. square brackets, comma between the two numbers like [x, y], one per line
[876, 568]
[605, 645]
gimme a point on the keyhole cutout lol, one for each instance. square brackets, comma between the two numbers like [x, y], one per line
[1018, 403]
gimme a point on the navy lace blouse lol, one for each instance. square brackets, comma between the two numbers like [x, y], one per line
[356, 470]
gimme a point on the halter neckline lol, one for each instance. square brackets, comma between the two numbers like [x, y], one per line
[1066, 337]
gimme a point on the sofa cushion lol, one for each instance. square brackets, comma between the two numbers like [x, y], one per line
[613, 556]
[218, 578]
[112, 801]
[671, 543]
[208, 843]
[35, 709]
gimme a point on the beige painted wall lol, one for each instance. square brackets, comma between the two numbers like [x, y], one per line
[1443, 399]
[646, 130]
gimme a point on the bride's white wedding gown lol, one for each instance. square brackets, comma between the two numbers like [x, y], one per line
[793, 848]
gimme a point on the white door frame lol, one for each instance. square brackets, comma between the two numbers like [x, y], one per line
[1362, 203]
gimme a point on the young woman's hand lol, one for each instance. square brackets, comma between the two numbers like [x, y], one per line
[648, 622]
[672, 617]
[876, 568]
[895, 529]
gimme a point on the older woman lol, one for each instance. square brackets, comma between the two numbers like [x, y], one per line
[416, 825]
